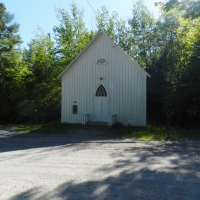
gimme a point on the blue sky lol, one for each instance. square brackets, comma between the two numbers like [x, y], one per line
[31, 13]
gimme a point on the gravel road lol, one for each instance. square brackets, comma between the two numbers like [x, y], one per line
[88, 165]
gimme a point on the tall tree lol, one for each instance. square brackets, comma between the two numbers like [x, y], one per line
[178, 63]
[142, 34]
[186, 93]
[71, 35]
[45, 89]
[192, 7]
[10, 59]
[114, 26]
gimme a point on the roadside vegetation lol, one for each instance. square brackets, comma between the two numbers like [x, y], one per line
[150, 132]
[54, 127]
[156, 132]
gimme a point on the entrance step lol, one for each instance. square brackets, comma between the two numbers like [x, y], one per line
[96, 125]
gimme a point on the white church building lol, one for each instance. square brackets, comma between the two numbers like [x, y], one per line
[103, 84]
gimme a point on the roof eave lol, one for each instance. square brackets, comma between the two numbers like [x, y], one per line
[88, 45]
[80, 54]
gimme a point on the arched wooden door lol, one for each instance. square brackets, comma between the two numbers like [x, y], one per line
[101, 104]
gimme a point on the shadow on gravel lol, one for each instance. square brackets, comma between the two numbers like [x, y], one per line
[9, 141]
[179, 183]
[144, 184]
[151, 172]
[166, 170]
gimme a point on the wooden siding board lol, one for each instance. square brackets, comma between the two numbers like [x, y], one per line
[115, 74]
[62, 102]
[87, 74]
[145, 100]
[124, 90]
[65, 106]
[137, 102]
[80, 95]
[112, 86]
[130, 95]
[141, 101]
[65, 102]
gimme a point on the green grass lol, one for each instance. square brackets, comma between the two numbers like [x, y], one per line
[151, 132]
[48, 128]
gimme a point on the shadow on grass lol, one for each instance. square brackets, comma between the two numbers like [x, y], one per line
[54, 127]
[56, 134]
[156, 133]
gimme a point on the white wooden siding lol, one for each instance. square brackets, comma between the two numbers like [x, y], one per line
[125, 84]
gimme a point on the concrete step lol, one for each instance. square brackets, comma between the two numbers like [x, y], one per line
[96, 125]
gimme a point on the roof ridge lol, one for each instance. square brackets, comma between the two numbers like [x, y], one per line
[85, 48]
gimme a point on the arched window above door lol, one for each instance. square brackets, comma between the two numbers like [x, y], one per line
[101, 91]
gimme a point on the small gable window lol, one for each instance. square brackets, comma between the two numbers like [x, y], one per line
[101, 62]
[75, 109]
[101, 91]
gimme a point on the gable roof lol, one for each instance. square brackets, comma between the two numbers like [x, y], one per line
[116, 46]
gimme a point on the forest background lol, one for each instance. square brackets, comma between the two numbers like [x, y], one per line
[168, 48]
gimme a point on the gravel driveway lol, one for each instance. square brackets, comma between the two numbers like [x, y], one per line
[88, 165]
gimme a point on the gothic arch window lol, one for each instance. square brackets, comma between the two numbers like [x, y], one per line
[101, 91]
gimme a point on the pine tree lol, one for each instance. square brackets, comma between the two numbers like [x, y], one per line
[10, 57]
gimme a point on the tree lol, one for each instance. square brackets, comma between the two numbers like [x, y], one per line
[71, 35]
[178, 66]
[114, 26]
[192, 7]
[186, 91]
[45, 89]
[11, 74]
[142, 37]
